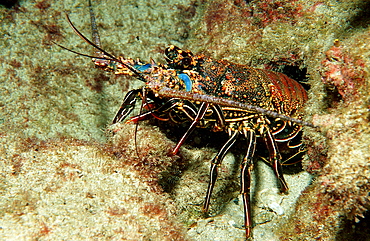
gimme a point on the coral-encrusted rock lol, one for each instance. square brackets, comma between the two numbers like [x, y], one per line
[66, 189]
[344, 73]
[339, 196]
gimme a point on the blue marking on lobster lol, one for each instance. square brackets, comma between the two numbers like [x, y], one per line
[142, 67]
[187, 81]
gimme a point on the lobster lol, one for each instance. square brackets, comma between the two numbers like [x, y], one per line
[218, 95]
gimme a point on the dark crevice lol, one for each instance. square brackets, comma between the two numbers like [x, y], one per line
[9, 3]
[362, 18]
[351, 230]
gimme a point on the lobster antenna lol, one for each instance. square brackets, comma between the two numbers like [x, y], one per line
[94, 30]
[96, 38]
[167, 92]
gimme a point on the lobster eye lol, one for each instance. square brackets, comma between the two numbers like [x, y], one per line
[171, 53]
[178, 58]
[186, 62]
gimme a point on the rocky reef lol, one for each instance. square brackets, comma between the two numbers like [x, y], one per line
[65, 173]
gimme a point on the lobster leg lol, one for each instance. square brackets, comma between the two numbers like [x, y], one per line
[127, 106]
[184, 106]
[201, 112]
[275, 159]
[216, 161]
[245, 178]
[156, 113]
[220, 120]
[167, 107]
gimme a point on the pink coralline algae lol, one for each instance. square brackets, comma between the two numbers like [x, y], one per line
[259, 13]
[271, 11]
[342, 72]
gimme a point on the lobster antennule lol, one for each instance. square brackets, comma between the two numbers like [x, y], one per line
[111, 57]
[78, 53]
[104, 55]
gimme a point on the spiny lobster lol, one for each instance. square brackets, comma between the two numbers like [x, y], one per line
[218, 95]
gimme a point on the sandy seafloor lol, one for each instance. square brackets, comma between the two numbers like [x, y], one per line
[64, 177]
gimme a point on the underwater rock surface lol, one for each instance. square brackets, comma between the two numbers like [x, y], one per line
[63, 177]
